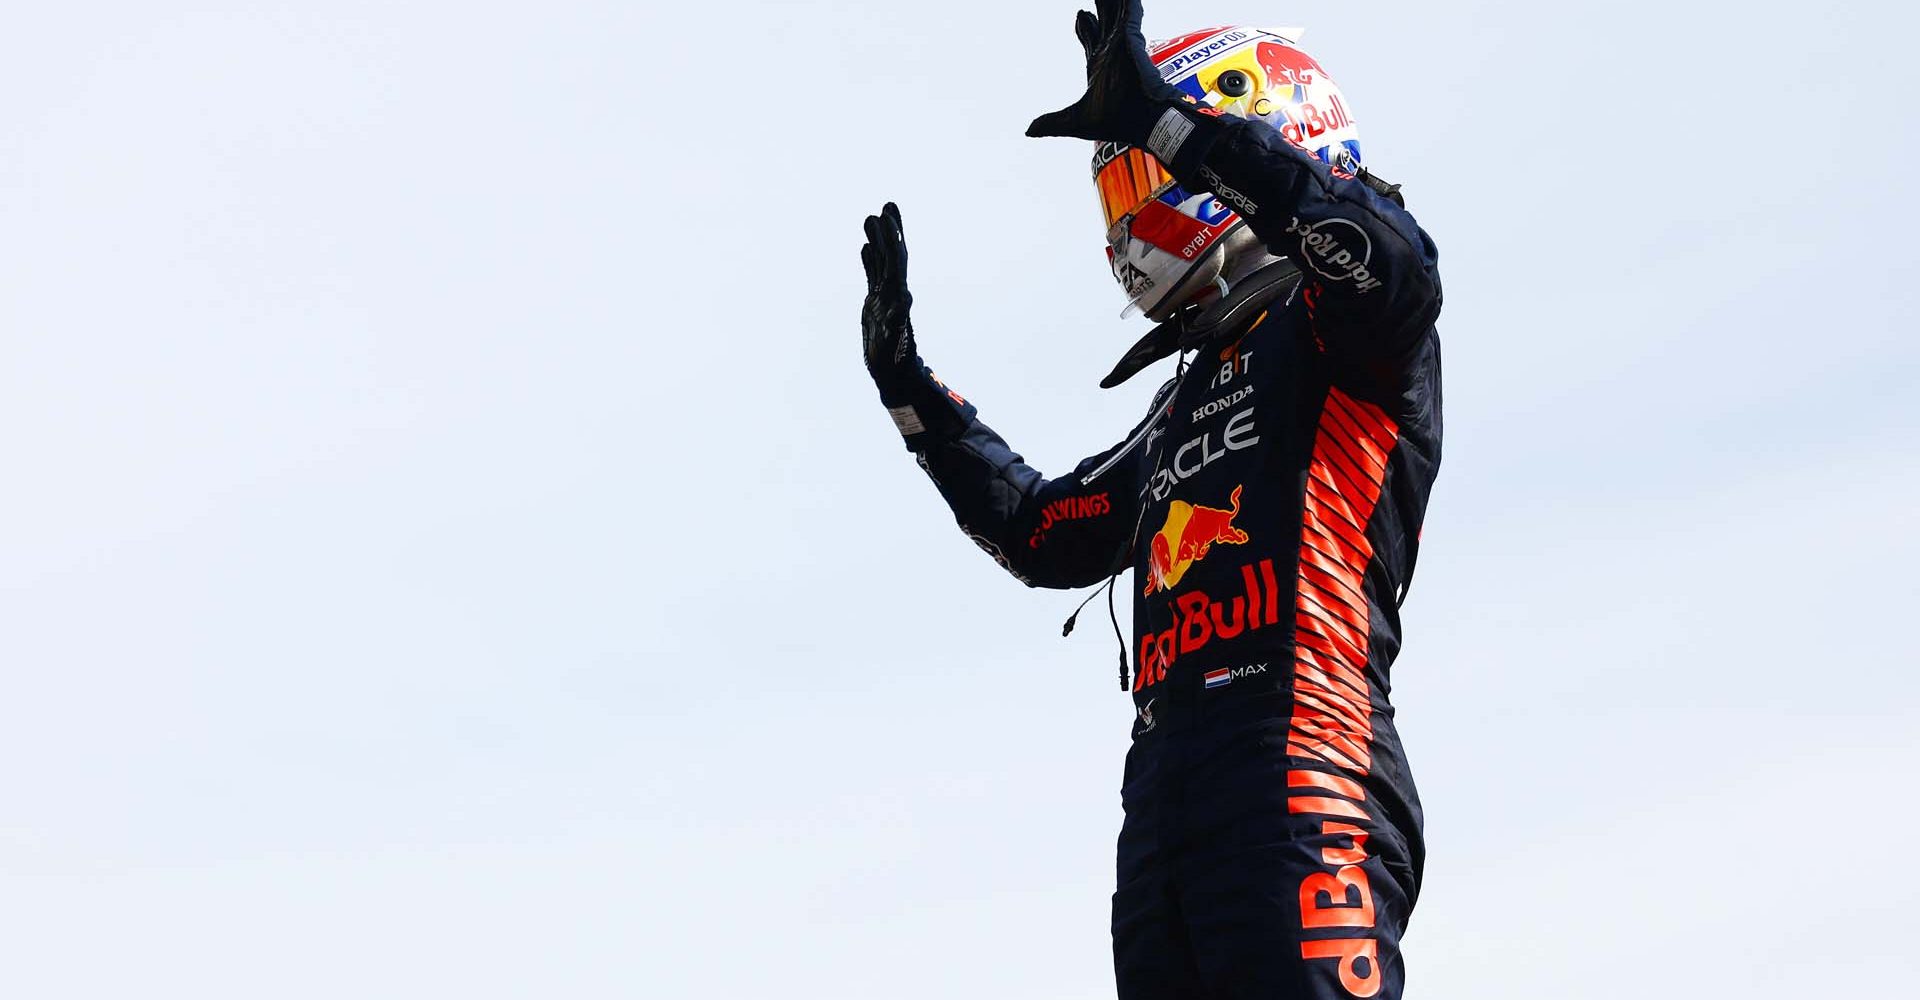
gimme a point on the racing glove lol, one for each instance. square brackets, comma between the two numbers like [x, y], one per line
[923, 408]
[1126, 100]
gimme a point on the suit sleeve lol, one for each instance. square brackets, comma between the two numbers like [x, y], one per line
[1062, 533]
[1371, 277]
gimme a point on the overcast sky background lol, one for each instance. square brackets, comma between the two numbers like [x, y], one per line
[449, 546]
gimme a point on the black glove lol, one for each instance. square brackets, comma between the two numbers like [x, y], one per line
[1086, 27]
[886, 332]
[1126, 100]
[924, 410]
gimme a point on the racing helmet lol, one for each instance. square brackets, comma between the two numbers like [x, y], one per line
[1168, 246]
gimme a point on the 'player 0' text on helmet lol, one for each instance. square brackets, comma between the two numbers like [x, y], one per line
[1167, 245]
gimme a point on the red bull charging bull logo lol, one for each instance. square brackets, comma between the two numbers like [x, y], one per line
[1189, 534]
[1257, 73]
[1287, 66]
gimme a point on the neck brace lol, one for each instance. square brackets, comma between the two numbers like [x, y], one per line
[1196, 327]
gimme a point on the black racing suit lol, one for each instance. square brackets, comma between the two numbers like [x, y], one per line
[1270, 505]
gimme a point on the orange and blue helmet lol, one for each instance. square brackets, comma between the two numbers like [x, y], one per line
[1167, 245]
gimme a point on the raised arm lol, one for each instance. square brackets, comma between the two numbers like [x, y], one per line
[1068, 532]
[1073, 531]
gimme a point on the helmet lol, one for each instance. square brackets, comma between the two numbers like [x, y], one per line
[1168, 246]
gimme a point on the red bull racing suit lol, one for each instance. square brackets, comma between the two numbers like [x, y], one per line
[1270, 507]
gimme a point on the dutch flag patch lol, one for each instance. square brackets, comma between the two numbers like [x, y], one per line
[1219, 678]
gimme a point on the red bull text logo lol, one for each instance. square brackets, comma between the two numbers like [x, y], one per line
[1200, 618]
[1306, 123]
[1189, 534]
[1340, 897]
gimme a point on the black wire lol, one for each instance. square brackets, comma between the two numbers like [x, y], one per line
[1120, 563]
[1067, 629]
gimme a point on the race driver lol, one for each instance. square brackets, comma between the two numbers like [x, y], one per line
[1269, 505]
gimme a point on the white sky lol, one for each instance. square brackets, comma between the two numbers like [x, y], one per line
[450, 546]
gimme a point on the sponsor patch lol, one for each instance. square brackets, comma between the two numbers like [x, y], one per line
[1243, 204]
[907, 419]
[1070, 509]
[1199, 48]
[1227, 675]
[1238, 434]
[1222, 405]
[1169, 134]
[1201, 618]
[1338, 250]
[1189, 535]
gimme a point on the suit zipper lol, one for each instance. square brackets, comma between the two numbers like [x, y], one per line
[1145, 433]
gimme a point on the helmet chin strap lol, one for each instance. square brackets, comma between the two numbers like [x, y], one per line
[1248, 296]
[1261, 279]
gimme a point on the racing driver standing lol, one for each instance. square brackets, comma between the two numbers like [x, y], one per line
[1269, 505]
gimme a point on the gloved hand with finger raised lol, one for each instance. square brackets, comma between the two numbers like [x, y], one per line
[923, 408]
[1126, 99]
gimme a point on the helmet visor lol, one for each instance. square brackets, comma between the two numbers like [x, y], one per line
[1126, 178]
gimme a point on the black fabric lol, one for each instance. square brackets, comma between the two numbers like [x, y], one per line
[1381, 186]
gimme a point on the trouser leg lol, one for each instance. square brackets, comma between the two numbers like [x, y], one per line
[1152, 956]
[1277, 922]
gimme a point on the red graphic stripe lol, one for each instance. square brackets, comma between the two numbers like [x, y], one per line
[1332, 721]
[1329, 516]
[1333, 701]
[1325, 807]
[1336, 644]
[1333, 594]
[1311, 614]
[1361, 433]
[1331, 782]
[1332, 546]
[1313, 670]
[1356, 464]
